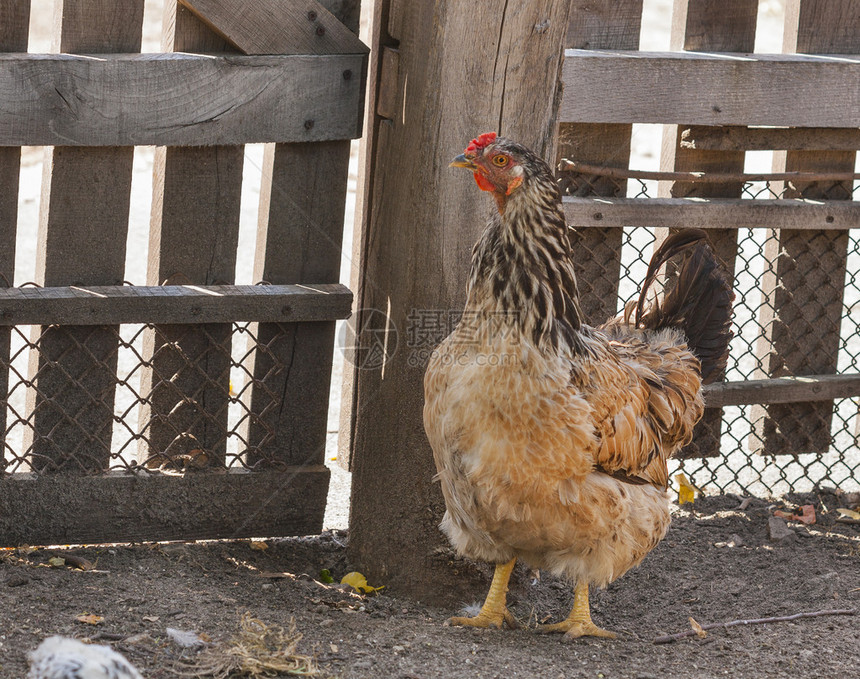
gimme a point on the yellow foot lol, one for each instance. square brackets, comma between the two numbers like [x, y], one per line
[578, 623]
[484, 619]
[573, 629]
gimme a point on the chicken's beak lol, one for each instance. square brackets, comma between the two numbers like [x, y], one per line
[462, 161]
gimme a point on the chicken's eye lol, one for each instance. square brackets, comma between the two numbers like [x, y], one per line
[500, 160]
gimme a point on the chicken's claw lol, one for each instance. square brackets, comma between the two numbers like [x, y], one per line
[573, 629]
[578, 623]
[494, 612]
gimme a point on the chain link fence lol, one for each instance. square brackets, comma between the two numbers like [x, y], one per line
[172, 398]
[803, 300]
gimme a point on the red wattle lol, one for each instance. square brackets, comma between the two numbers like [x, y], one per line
[483, 183]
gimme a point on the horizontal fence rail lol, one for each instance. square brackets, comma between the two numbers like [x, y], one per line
[178, 99]
[107, 305]
[692, 88]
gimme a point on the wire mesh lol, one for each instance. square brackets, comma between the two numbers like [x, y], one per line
[172, 399]
[796, 313]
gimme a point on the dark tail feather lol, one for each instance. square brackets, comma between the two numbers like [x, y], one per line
[699, 303]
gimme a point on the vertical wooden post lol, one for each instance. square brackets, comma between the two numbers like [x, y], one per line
[82, 239]
[194, 233]
[710, 26]
[14, 27]
[463, 69]
[804, 285]
[605, 24]
[299, 239]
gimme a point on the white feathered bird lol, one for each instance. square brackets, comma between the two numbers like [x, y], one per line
[64, 658]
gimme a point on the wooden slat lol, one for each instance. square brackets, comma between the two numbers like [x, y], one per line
[103, 305]
[727, 26]
[712, 213]
[771, 138]
[708, 89]
[59, 509]
[804, 284]
[81, 240]
[193, 238]
[782, 390]
[14, 27]
[383, 88]
[277, 26]
[299, 239]
[179, 99]
[602, 25]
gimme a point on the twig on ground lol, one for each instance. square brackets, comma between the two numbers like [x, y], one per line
[669, 638]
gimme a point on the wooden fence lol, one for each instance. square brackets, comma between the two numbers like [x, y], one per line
[715, 100]
[229, 384]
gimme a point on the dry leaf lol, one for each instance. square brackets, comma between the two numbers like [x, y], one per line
[56, 562]
[807, 515]
[686, 490]
[259, 545]
[697, 628]
[333, 648]
[150, 618]
[849, 513]
[79, 562]
[358, 582]
[90, 619]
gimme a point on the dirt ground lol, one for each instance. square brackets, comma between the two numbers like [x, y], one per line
[718, 563]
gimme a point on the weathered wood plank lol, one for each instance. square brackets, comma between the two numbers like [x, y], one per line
[178, 99]
[299, 238]
[101, 305]
[14, 25]
[109, 508]
[771, 138]
[782, 390]
[14, 28]
[727, 26]
[385, 29]
[194, 233]
[601, 25]
[277, 26]
[421, 225]
[81, 240]
[803, 285]
[709, 89]
[712, 213]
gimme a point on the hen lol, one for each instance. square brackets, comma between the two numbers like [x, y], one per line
[551, 437]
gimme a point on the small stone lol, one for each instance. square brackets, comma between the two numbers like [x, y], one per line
[778, 530]
[16, 580]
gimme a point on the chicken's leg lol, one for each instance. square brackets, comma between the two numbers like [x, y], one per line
[494, 611]
[578, 623]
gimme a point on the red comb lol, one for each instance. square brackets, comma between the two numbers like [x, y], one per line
[481, 142]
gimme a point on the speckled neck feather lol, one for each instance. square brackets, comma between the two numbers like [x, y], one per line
[521, 266]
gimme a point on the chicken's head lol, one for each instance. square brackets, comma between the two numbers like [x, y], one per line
[496, 162]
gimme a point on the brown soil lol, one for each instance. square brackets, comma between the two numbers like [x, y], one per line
[717, 564]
